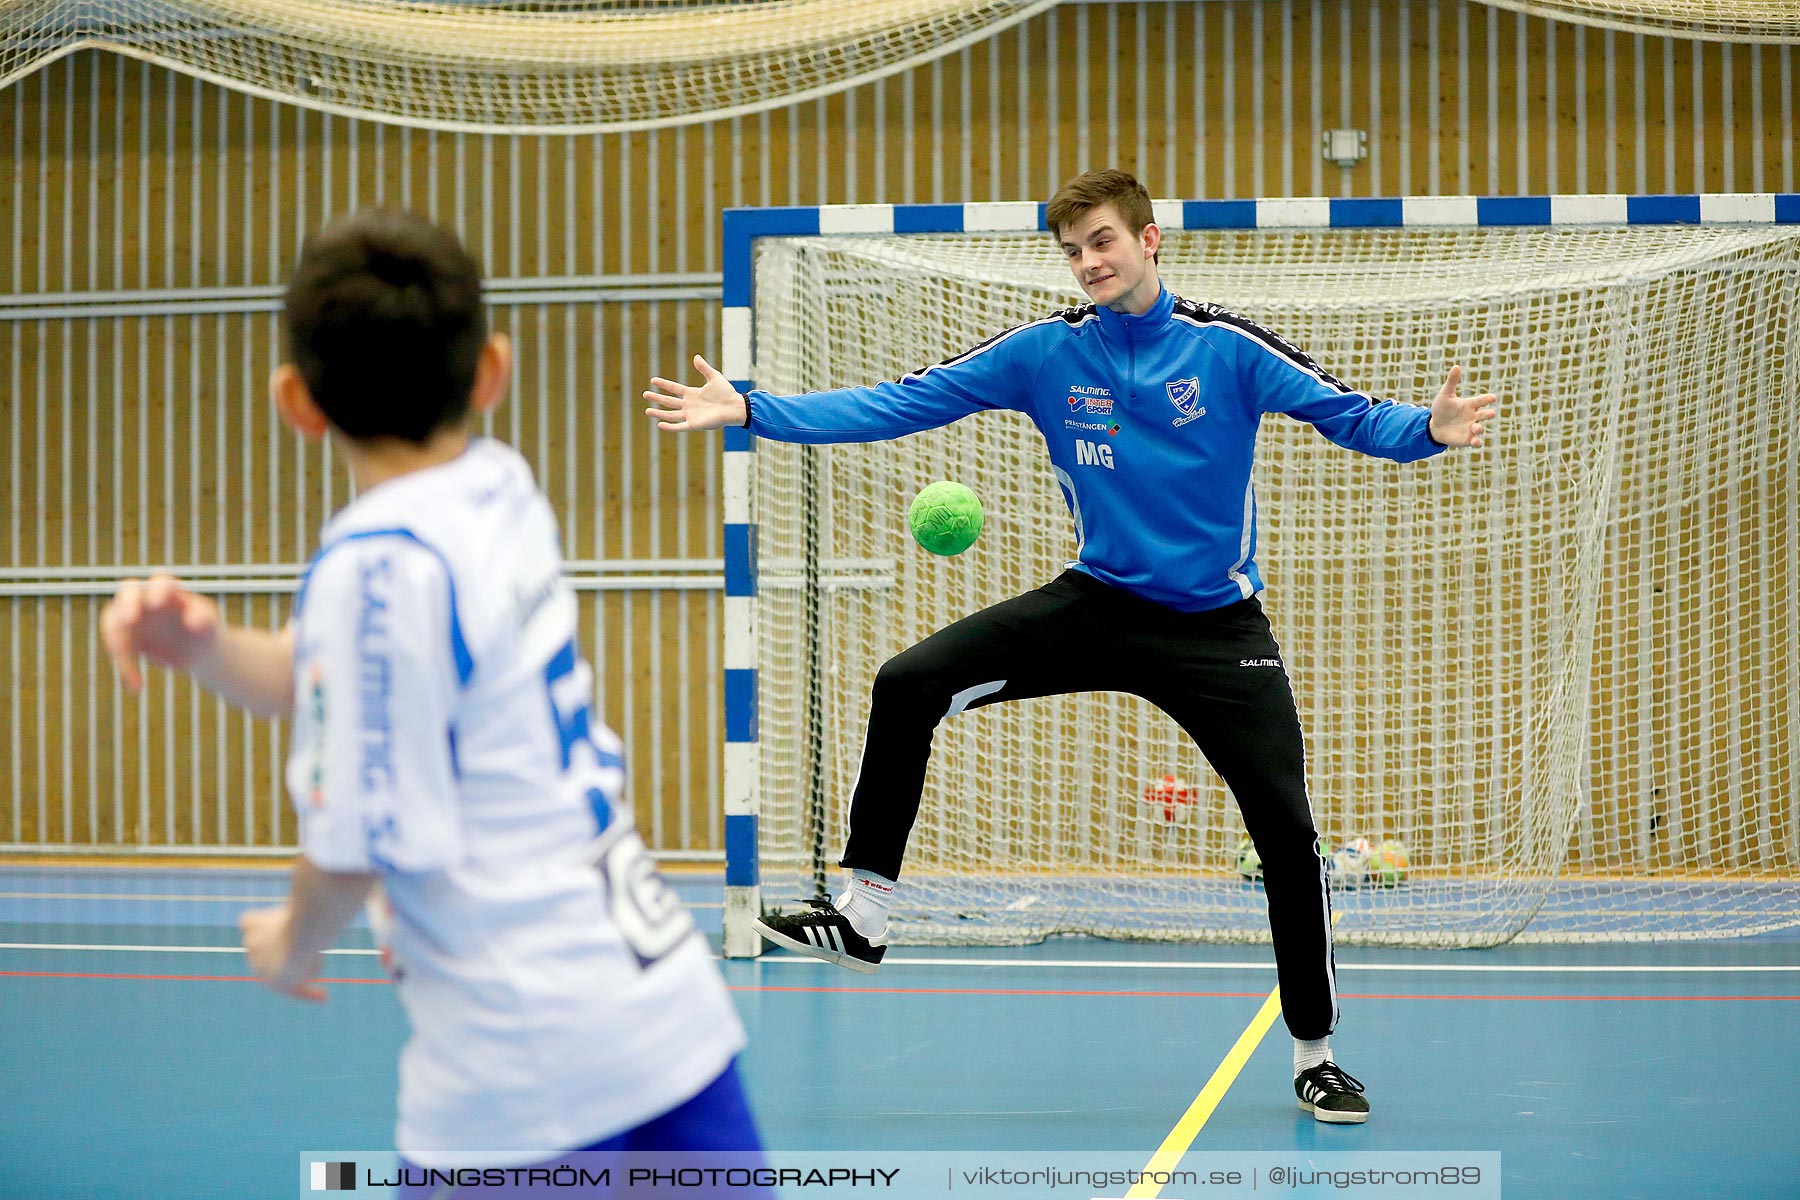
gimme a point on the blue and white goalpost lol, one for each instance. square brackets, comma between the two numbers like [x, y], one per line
[1561, 671]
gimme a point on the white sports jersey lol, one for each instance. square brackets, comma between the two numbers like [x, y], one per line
[558, 992]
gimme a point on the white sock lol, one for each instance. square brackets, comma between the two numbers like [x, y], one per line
[1308, 1055]
[865, 903]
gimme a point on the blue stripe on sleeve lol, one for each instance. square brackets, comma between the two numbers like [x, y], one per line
[459, 646]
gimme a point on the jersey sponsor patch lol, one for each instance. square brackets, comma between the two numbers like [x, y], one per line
[1087, 399]
[1109, 428]
[1184, 394]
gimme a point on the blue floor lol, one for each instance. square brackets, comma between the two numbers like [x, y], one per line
[1606, 1071]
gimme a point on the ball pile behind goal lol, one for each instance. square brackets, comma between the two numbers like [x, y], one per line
[1361, 862]
[1388, 867]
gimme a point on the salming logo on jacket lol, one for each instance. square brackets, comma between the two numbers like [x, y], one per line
[1151, 426]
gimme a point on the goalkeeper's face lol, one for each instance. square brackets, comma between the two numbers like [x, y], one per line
[1115, 268]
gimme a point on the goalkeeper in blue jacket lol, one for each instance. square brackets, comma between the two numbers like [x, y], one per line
[1149, 406]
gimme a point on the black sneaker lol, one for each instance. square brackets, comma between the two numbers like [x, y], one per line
[823, 933]
[1330, 1095]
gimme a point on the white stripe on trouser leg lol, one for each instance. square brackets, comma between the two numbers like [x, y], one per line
[856, 781]
[958, 702]
[1325, 895]
[969, 695]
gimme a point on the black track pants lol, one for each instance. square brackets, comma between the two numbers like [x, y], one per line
[1218, 674]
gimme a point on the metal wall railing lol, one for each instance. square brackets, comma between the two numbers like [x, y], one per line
[157, 453]
[147, 220]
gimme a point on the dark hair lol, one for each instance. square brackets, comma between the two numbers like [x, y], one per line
[1088, 191]
[384, 321]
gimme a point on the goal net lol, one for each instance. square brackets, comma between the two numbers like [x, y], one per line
[517, 66]
[1562, 673]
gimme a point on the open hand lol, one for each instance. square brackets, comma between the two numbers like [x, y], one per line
[1456, 421]
[680, 407]
[160, 620]
[267, 945]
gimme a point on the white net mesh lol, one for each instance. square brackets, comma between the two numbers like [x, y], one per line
[1563, 672]
[533, 66]
[1712, 20]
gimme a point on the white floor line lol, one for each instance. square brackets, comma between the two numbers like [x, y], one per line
[124, 949]
[1088, 964]
[1451, 968]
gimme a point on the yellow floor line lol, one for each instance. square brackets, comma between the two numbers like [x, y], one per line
[1168, 1155]
[1188, 1128]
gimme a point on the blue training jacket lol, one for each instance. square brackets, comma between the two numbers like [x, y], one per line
[1151, 425]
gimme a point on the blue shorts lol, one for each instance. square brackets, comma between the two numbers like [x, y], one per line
[717, 1121]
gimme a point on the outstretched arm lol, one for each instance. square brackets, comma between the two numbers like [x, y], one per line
[160, 620]
[681, 407]
[1283, 378]
[995, 374]
[1456, 421]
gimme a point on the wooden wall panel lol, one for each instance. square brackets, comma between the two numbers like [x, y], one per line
[143, 437]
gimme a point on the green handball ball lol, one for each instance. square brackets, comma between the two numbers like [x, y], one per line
[945, 518]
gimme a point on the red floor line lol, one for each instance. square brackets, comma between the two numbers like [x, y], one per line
[881, 991]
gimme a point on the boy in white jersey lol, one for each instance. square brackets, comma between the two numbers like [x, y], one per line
[443, 746]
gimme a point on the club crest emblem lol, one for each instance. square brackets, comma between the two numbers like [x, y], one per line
[1184, 394]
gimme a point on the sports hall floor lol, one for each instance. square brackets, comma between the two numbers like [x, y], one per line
[137, 1060]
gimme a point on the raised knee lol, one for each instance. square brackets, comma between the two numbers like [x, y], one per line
[942, 688]
[903, 672]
